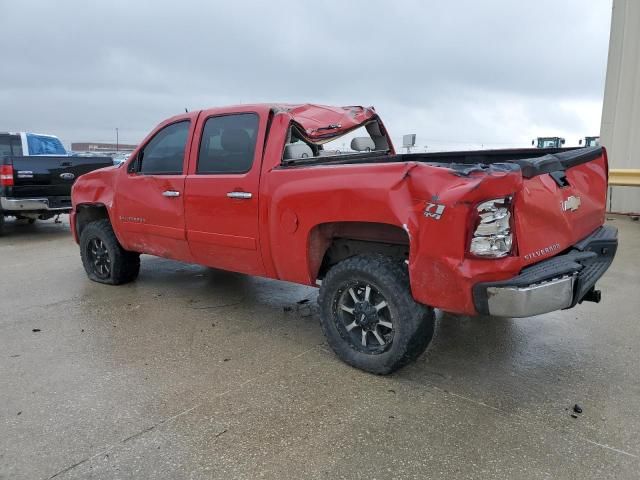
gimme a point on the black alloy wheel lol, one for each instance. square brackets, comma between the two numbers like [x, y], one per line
[369, 316]
[363, 318]
[99, 259]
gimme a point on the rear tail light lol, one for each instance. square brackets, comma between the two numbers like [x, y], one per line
[492, 236]
[6, 175]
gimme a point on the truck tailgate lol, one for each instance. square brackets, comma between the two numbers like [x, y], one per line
[562, 201]
[50, 176]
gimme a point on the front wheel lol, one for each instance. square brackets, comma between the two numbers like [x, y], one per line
[369, 317]
[103, 258]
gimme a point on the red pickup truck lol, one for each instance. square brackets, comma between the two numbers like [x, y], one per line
[388, 237]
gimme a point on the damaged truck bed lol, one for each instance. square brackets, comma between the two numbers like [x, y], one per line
[256, 189]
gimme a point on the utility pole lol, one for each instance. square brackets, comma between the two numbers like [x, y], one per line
[117, 140]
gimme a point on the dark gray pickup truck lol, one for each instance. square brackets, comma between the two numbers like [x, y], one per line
[39, 187]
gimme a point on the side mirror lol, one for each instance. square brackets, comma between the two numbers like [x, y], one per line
[580, 142]
[133, 165]
[562, 141]
[533, 142]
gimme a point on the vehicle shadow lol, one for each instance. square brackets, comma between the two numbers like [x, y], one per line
[201, 287]
[43, 229]
[456, 337]
[468, 352]
[461, 345]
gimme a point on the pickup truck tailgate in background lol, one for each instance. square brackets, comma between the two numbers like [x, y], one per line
[51, 176]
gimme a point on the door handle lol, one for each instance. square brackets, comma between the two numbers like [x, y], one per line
[240, 195]
[170, 193]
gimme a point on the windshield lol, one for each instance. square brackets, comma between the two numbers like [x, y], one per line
[44, 145]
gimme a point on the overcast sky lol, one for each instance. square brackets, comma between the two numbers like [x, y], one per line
[458, 73]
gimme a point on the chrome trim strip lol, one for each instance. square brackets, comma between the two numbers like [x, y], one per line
[18, 204]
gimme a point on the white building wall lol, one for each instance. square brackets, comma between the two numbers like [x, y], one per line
[620, 128]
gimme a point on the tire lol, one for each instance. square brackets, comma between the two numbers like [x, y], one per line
[405, 326]
[31, 221]
[103, 258]
[1, 223]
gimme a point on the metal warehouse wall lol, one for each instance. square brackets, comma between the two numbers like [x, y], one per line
[620, 129]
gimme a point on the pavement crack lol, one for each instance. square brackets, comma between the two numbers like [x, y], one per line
[211, 307]
[169, 419]
[156, 425]
[72, 466]
[122, 442]
[603, 445]
[526, 419]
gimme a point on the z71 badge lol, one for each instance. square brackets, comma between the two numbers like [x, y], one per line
[433, 210]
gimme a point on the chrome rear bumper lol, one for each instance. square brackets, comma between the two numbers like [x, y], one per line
[532, 300]
[554, 284]
[28, 204]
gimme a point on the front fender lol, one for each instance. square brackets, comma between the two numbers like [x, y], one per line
[93, 189]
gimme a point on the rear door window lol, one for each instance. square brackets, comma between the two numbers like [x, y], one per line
[10, 145]
[228, 144]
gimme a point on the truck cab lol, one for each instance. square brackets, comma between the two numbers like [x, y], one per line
[590, 141]
[30, 144]
[548, 142]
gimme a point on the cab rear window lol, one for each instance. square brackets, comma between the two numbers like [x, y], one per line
[44, 145]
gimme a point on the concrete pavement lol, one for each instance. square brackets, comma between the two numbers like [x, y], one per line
[195, 373]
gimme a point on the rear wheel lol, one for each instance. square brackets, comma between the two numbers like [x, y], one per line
[370, 318]
[103, 258]
[1, 223]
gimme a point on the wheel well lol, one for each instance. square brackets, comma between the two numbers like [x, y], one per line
[89, 213]
[330, 243]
